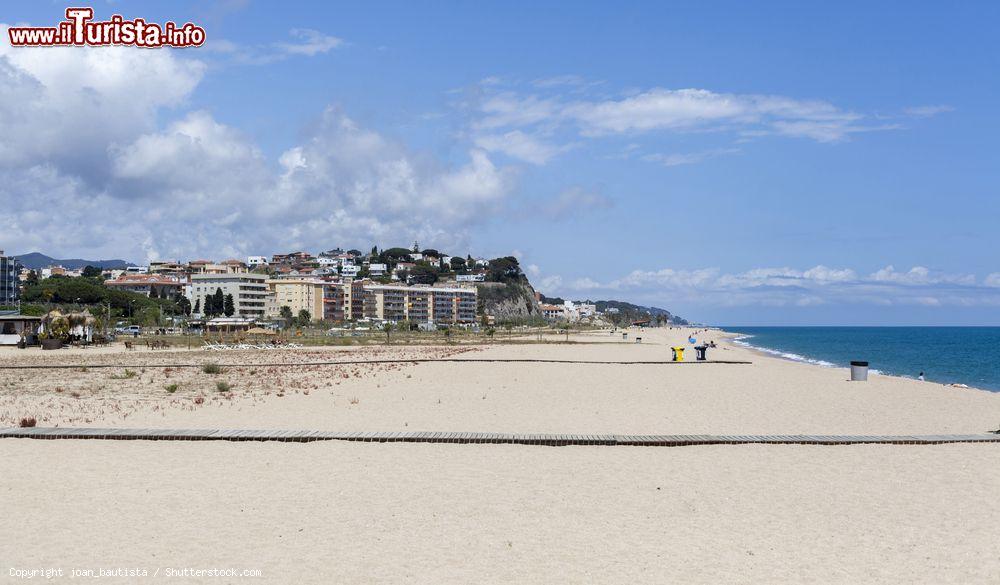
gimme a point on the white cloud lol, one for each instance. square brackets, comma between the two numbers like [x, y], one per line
[310, 42]
[689, 158]
[115, 183]
[928, 111]
[789, 287]
[517, 144]
[66, 104]
[675, 110]
[305, 43]
[919, 275]
[512, 117]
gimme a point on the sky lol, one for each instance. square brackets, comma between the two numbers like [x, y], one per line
[782, 163]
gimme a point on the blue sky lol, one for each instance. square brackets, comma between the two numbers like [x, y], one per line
[762, 163]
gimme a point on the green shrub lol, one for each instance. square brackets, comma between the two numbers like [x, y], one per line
[212, 369]
[126, 375]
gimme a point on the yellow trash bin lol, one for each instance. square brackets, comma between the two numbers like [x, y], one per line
[678, 353]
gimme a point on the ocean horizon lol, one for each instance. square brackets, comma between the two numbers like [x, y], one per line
[947, 355]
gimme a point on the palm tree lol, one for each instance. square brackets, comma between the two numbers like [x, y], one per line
[387, 327]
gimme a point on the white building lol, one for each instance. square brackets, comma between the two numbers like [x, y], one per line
[478, 277]
[350, 270]
[255, 261]
[249, 292]
[377, 269]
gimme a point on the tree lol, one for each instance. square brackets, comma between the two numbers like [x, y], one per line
[387, 327]
[457, 263]
[229, 308]
[286, 314]
[504, 269]
[152, 293]
[184, 305]
[423, 273]
[218, 301]
[303, 318]
[91, 272]
[209, 309]
[394, 255]
[197, 306]
[32, 279]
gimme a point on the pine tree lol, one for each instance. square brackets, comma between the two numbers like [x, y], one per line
[228, 307]
[197, 306]
[218, 302]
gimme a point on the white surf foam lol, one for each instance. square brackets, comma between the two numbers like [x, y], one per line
[741, 341]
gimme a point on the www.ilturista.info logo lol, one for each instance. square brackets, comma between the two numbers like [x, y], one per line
[79, 29]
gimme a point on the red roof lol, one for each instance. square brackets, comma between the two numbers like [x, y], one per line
[133, 279]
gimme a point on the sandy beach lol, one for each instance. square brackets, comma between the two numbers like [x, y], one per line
[391, 513]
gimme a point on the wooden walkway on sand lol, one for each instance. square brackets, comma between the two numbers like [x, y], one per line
[553, 440]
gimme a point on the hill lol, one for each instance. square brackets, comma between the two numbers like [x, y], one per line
[36, 260]
[627, 312]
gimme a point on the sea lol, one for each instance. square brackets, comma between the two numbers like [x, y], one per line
[949, 355]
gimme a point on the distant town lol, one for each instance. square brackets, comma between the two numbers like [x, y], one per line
[422, 288]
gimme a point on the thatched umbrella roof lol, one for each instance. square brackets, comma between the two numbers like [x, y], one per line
[261, 331]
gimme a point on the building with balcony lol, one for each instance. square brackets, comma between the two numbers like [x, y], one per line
[344, 301]
[10, 280]
[420, 304]
[249, 292]
[298, 294]
[150, 285]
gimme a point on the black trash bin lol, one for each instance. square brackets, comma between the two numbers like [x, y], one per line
[701, 352]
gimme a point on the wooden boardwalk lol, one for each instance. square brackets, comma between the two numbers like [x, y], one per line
[483, 438]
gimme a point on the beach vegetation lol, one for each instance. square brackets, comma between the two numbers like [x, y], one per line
[211, 368]
[126, 375]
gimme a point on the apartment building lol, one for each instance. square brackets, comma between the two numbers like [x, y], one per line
[10, 279]
[249, 292]
[344, 301]
[151, 285]
[209, 267]
[421, 304]
[167, 267]
[297, 294]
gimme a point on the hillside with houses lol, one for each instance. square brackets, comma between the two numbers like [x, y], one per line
[418, 287]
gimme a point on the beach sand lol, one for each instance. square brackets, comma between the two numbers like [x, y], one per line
[403, 513]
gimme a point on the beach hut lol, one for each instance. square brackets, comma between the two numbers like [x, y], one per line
[14, 328]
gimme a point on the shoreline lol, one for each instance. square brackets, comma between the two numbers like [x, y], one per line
[733, 338]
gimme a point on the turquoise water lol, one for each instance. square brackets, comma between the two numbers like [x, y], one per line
[962, 355]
